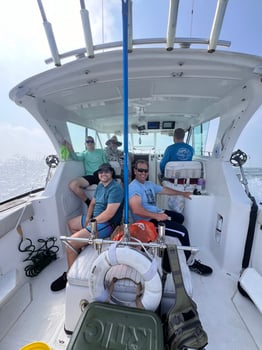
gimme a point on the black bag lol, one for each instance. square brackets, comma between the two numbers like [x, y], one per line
[182, 326]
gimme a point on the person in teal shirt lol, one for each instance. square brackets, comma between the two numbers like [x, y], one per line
[92, 158]
[106, 209]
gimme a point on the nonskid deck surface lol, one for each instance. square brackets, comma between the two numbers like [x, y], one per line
[216, 296]
[43, 320]
[219, 304]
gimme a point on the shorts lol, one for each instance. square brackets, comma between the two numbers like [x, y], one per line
[92, 179]
[104, 230]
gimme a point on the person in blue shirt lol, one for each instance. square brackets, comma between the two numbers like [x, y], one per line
[106, 208]
[179, 151]
[142, 203]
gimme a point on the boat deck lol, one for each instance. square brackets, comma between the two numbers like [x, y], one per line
[220, 303]
[43, 319]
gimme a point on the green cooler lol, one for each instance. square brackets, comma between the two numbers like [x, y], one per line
[104, 326]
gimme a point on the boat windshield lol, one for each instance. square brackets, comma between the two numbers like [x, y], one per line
[202, 137]
[151, 142]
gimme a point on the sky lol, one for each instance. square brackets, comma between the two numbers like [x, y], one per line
[24, 49]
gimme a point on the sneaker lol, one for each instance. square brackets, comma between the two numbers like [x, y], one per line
[59, 283]
[199, 268]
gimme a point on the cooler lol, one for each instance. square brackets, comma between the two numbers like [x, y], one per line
[105, 326]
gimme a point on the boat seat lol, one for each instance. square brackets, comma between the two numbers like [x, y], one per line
[183, 173]
[77, 288]
[181, 176]
[117, 167]
[251, 282]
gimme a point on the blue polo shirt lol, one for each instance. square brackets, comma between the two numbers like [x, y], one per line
[179, 151]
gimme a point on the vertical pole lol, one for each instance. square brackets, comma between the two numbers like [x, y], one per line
[50, 35]
[87, 30]
[125, 103]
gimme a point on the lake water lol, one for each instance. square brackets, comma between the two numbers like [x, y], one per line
[20, 175]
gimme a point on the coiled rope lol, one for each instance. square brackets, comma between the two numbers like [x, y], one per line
[39, 258]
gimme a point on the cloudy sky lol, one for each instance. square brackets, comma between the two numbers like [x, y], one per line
[24, 48]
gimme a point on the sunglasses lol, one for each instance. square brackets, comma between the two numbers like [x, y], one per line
[140, 170]
[89, 141]
[105, 171]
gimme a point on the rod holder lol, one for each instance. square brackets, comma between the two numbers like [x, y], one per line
[93, 225]
[161, 238]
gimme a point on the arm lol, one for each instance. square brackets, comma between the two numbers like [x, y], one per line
[73, 154]
[105, 216]
[69, 146]
[171, 192]
[108, 213]
[137, 208]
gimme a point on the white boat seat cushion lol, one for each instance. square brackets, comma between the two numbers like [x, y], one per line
[78, 273]
[180, 172]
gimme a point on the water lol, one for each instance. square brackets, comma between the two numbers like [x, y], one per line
[20, 175]
[254, 179]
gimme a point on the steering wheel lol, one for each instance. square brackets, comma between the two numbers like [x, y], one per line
[238, 158]
[52, 161]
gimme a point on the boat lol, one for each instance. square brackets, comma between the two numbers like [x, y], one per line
[140, 90]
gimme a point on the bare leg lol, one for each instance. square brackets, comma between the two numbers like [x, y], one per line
[75, 225]
[77, 186]
[71, 255]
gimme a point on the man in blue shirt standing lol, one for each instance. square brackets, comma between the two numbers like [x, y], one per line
[179, 151]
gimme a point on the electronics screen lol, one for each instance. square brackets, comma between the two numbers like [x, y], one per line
[168, 125]
[153, 125]
[141, 127]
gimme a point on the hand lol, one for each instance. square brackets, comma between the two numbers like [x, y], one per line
[188, 195]
[68, 145]
[161, 217]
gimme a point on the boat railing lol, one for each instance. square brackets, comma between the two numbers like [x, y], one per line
[99, 242]
[212, 41]
[183, 43]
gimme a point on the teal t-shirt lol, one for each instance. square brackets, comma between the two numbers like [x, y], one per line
[91, 160]
[112, 193]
